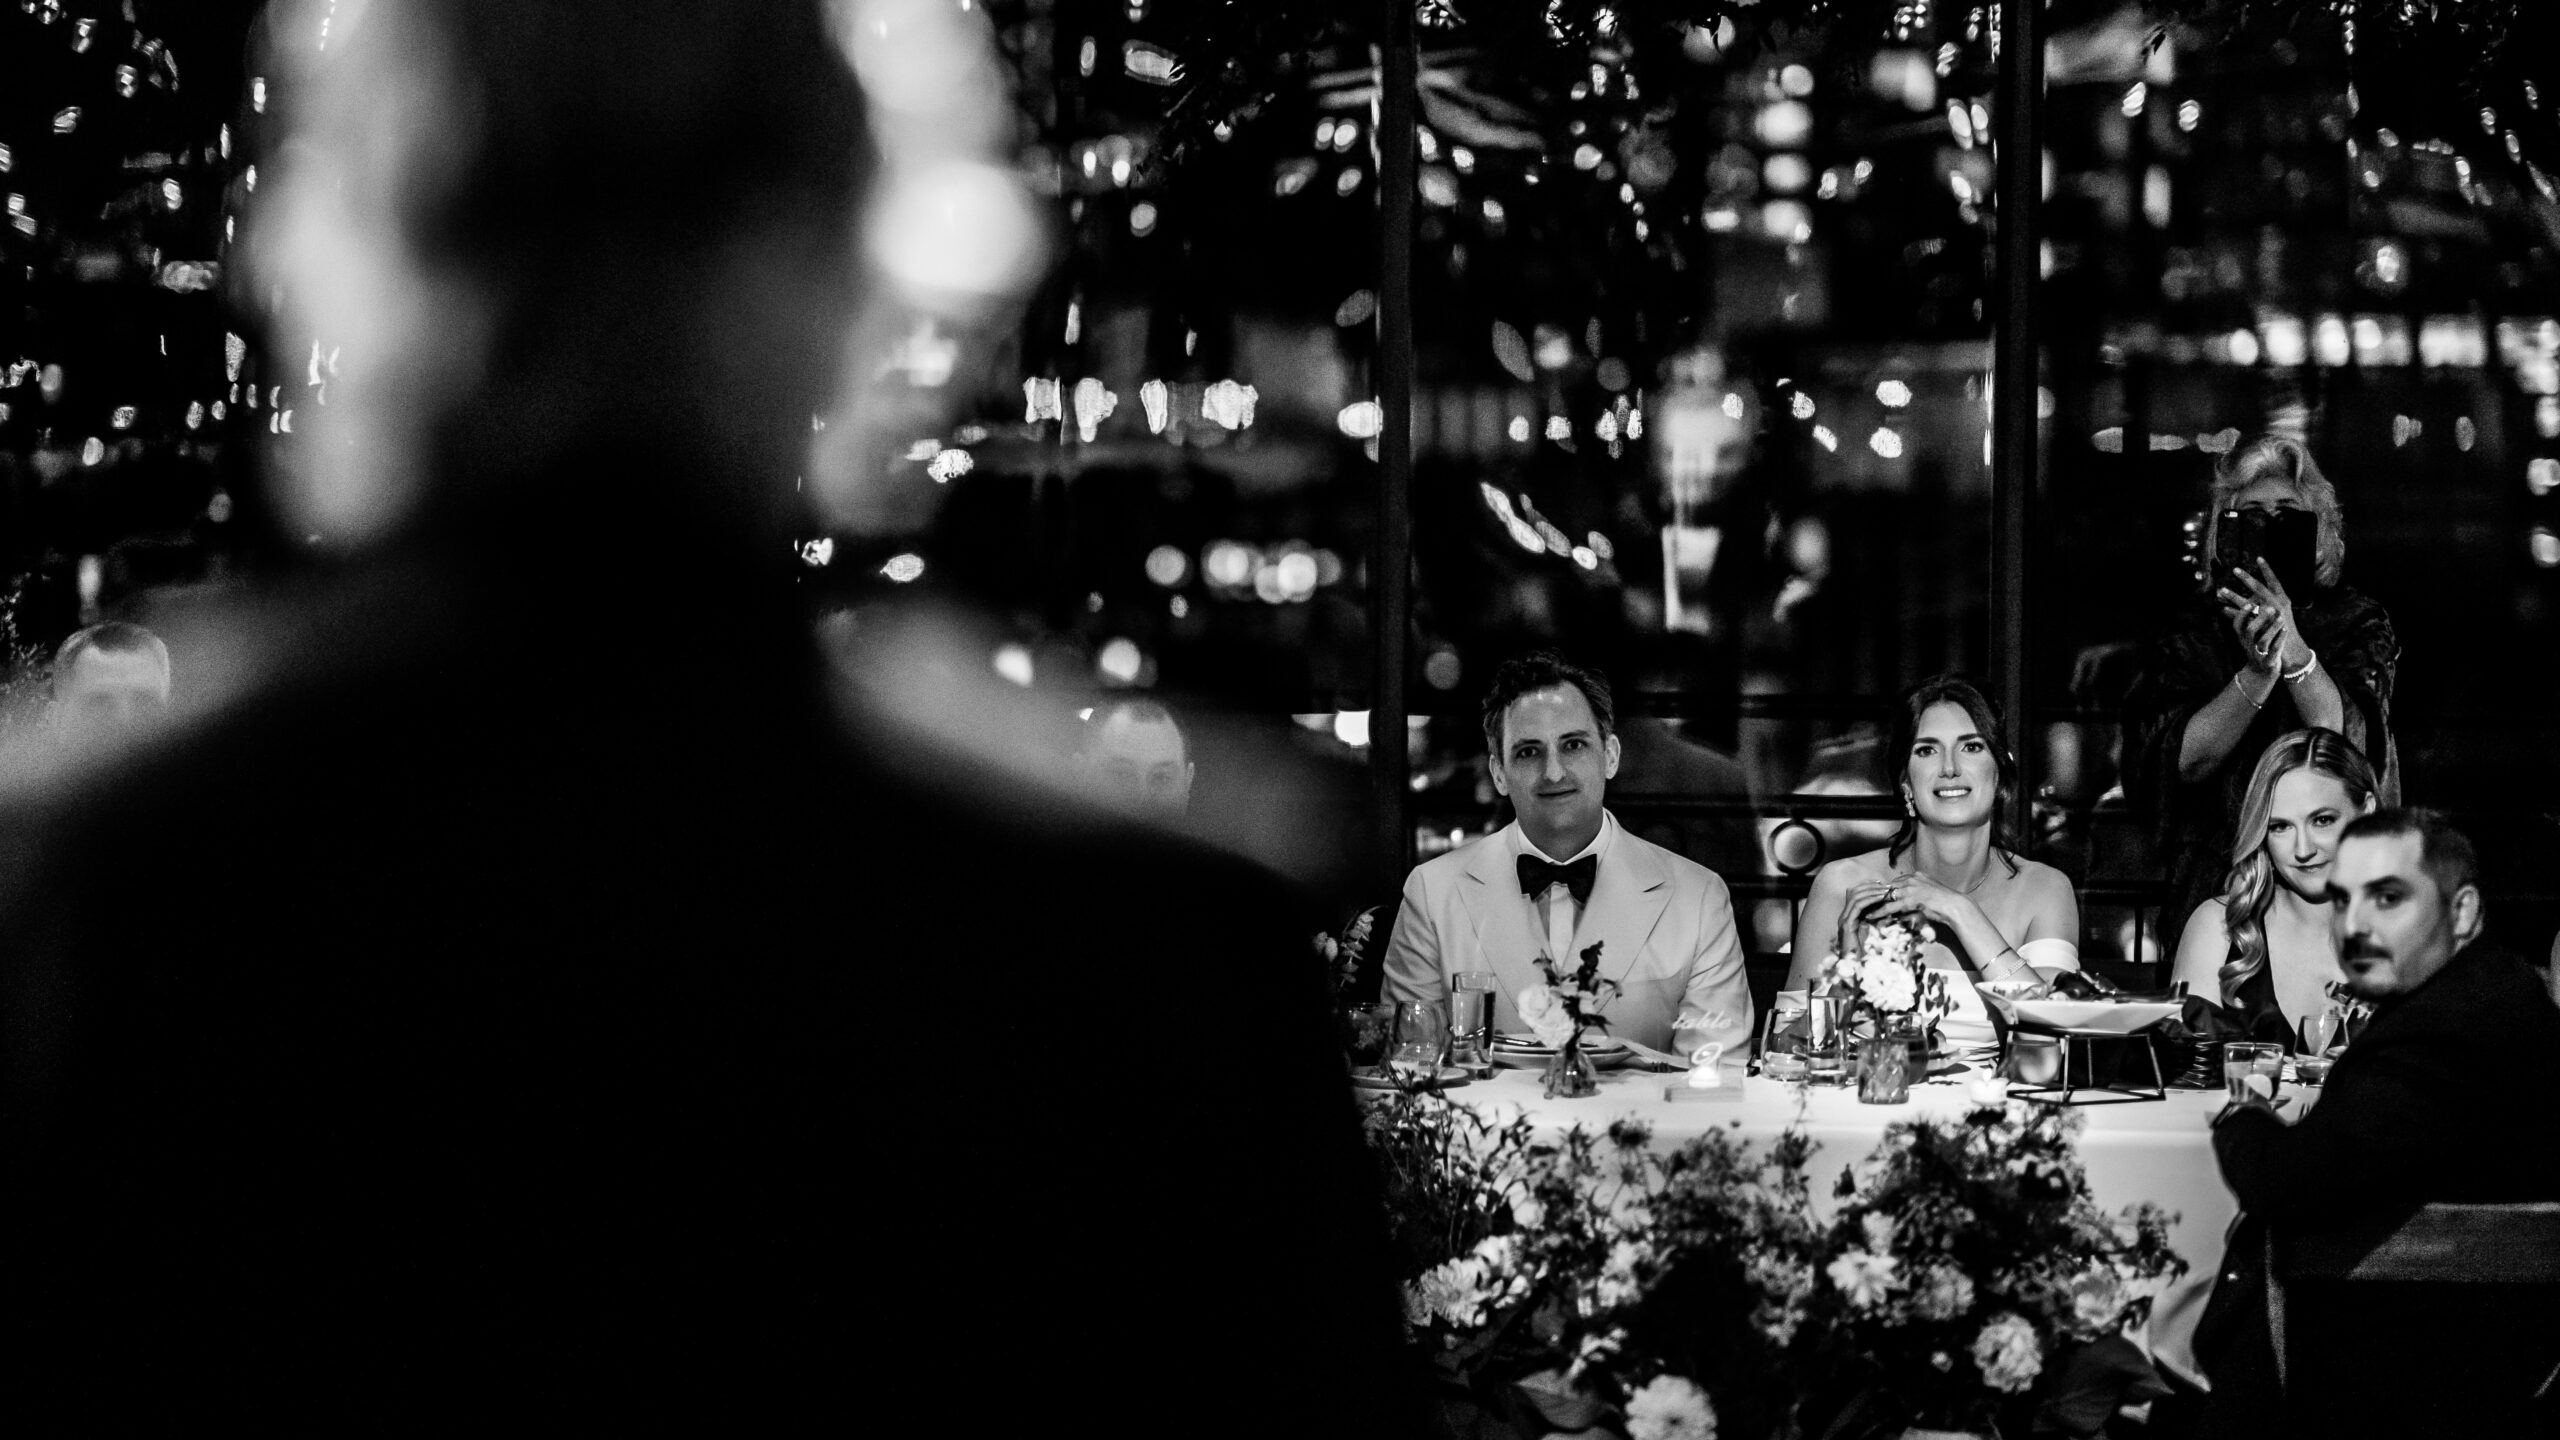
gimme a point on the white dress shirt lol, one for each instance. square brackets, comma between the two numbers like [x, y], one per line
[1555, 912]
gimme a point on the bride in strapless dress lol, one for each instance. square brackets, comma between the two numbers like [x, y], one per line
[1994, 914]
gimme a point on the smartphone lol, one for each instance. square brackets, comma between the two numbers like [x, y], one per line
[2239, 538]
[2287, 540]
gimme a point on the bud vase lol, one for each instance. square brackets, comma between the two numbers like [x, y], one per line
[1884, 1068]
[1570, 1074]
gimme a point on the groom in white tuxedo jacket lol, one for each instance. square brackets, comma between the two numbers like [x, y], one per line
[1564, 875]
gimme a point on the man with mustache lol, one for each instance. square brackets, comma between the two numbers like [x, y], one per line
[2446, 1096]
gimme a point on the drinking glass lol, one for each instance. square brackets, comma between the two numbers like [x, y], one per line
[1422, 1037]
[2320, 1029]
[1826, 1040]
[2251, 1067]
[1471, 1021]
[2036, 1059]
[1782, 1031]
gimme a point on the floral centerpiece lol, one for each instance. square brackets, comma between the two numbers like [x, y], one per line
[1969, 1280]
[1890, 986]
[1560, 1011]
[1590, 1281]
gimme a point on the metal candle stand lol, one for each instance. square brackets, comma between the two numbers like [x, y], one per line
[2066, 1093]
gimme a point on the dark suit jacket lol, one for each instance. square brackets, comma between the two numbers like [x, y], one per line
[508, 1017]
[2447, 1095]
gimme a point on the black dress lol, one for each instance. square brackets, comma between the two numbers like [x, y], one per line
[2192, 820]
[2255, 1007]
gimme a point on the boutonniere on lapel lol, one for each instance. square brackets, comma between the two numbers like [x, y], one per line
[1559, 1011]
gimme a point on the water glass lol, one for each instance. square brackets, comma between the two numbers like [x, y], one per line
[2036, 1059]
[1422, 1038]
[1826, 1039]
[1471, 1021]
[2251, 1067]
[1782, 1030]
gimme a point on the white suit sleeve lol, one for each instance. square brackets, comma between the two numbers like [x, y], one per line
[1411, 972]
[1717, 1005]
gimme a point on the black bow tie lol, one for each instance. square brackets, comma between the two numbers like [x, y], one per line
[1576, 876]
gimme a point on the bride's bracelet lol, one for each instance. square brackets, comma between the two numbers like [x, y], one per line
[2308, 665]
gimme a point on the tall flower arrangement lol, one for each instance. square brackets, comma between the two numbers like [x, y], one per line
[1590, 1280]
[1969, 1278]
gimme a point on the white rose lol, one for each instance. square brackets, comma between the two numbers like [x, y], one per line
[1891, 988]
[1943, 1294]
[1544, 1014]
[2008, 1353]
[2097, 1300]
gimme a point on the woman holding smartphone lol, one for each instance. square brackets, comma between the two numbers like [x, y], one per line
[2277, 643]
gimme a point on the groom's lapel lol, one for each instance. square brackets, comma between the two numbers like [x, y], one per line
[1491, 892]
[1627, 900]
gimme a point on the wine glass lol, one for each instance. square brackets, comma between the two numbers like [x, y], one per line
[1422, 1038]
[2319, 1029]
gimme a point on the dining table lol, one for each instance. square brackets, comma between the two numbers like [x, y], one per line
[2156, 1150]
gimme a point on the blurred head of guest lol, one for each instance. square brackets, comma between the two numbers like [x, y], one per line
[1956, 770]
[594, 274]
[2308, 787]
[2406, 885]
[1550, 731]
[109, 679]
[1135, 757]
[2275, 477]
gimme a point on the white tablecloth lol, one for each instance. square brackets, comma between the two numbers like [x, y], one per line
[2160, 1151]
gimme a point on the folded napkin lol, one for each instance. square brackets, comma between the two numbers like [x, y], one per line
[2190, 1042]
[1652, 1059]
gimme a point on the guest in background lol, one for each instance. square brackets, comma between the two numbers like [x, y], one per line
[1136, 758]
[109, 680]
[2446, 1096]
[493, 1046]
[2279, 643]
[2267, 948]
[1565, 875]
[1996, 914]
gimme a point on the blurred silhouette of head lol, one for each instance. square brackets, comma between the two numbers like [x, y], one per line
[561, 257]
[1136, 758]
[109, 679]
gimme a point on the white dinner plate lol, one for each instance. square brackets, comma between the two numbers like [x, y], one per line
[1527, 1043]
[1538, 1059]
[1371, 1077]
[2115, 1017]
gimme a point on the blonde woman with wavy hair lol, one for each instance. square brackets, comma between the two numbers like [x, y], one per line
[2264, 948]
